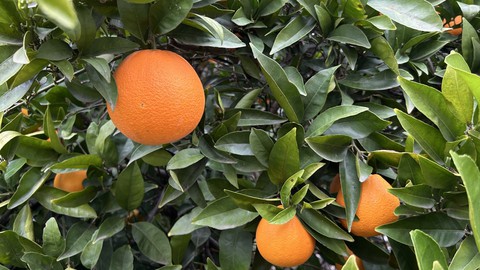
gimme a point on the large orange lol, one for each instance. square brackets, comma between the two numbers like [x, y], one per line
[284, 245]
[160, 97]
[70, 182]
[375, 207]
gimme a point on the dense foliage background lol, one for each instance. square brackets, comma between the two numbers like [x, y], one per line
[296, 89]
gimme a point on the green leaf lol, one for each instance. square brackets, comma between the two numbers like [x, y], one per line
[30, 182]
[284, 158]
[437, 176]
[11, 249]
[261, 145]
[77, 238]
[46, 194]
[53, 242]
[326, 119]
[184, 225]
[324, 18]
[101, 65]
[74, 199]
[415, 195]
[184, 158]
[382, 22]
[122, 259]
[167, 15]
[108, 90]
[81, 162]
[51, 132]
[10, 97]
[23, 224]
[283, 90]
[287, 186]
[317, 89]
[91, 252]
[269, 7]
[382, 49]
[36, 260]
[152, 242]
[191, 36]
[456, 91]
[236, 142]
[129, 188]
[469, 37]
[295, 30]
[235, 249]
[350, 187]
[415, 14]
[466, 256]
[246, 200]
[110, 45]
[330, 147]
[223, 214]
[433, 105]
[429, 138]
[323, 225]
[427, 250]
[207, 24]
[134, 17]
[109, 227]
[444, 229]
[350, 34]
[54, 50]
[470, 175]
[207, 148]
[253, 117]
[63, 14]
[382, 80]
[13, 167]
[358, 126]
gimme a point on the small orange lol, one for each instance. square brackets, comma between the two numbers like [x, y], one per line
[375, 206]
[25, 111]
[454, 23]
[357, 260]
[71, 181]
[160, 97]
[284, 245]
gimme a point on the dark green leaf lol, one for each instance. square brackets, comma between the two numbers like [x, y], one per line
[284, 158]
[91, 252]
[167, 15]
[129, 189]
[261, 145]
[122, 259]
[40, 261]
[184, 226]
[236, 143]
[296, 29]
[467, 256]
[253, 117]
[46, 194]
[444, 229]
[435, 175]
[323, 225]
[416, 195]
[317, 89]
[184, 158]
[108, 90]
[246, 201]
[235, 249]
[350, 34]
[152, 242]
[30, 182]
[76, 163]
[74, 199]
[110, 45]
[330, 147]
[53, 242]
[191, 36]
[77, 238]
[51, 132]
[134, 17]
[358, 126]
[326, 119]
[10, 97]
[109, 227]
[54, 50]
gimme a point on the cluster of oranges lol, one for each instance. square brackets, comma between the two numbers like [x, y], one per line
[290, 244]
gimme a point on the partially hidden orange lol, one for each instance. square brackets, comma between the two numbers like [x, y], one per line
[335, 184]
[375, 207]
[357, 260]
[160, 97]
[454, 23]
[71, 181]
[284, 245]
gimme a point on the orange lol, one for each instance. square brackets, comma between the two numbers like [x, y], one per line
[335, 184]
[455, 24]
[375, 206]
[70, 182]
[160, 97]
[25, 111]
[284, 245]
[357, 260]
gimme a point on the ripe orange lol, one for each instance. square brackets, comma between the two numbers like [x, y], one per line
[160, 97]
[455, 24]
[375, 207]
[71, 181]
[284, 245]
[335, 184]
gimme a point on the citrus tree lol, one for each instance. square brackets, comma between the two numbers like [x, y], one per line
[239, 134]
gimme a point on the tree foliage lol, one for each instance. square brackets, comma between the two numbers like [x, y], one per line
[296, 92]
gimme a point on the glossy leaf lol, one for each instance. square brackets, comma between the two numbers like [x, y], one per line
[129, 189]
[53, 242]
[470, 173]
[167, 15]
[466, 257]
[134, 17]
[46, 194]
[261, 145]
[296, 29]
[330, 147]
[416, 14]
[122, 259]
[326, 119]
[109, 227]
[246, 201]
[350, 34]
[184, 226]
[427, 250]
[458, 94]
[317, 88]
[382, 49]
[30, 182]
[283, 90]
[184, 158]
[416, 195]
[77, 238]
[40, 261]
[74, 199]
[152, 242]
[284, 159]
[91, 252]
[236, 143]
[323, 225]
[445, 230]
[23, 224]
[63, 14]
